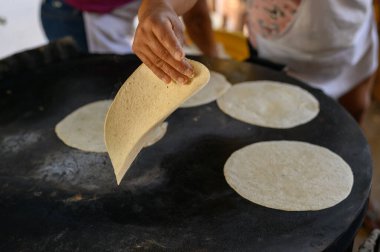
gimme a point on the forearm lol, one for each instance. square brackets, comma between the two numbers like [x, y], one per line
[180, 7]
[199, 28]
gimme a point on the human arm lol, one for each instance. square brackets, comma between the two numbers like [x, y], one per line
[198, 26]
[159, 37]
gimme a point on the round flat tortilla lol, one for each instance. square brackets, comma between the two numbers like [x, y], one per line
[269, 104]
[83, 129]
[149, 101]
[156, 134]
[217, 86]
[289, 175]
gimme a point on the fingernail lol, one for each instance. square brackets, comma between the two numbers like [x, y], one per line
[189, 73]
[181, 80]
[166, 80]
[178, 55]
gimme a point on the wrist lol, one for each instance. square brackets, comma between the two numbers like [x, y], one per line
[147, 8]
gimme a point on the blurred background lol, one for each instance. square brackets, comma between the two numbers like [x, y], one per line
[20, 27]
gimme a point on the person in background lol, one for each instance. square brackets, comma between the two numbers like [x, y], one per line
[97, 26]
[331, 45]
[107, 26]
[328, 44]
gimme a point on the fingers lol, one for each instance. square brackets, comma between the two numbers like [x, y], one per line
[161, 62]
[162, 58]
[158, 44]
[171, 36]
[156, 70]
[162, 69]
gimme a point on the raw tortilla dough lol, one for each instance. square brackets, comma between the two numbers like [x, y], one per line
[83, 129]
[143, 102]
[289, 175]
[216, 87]
[269, 104]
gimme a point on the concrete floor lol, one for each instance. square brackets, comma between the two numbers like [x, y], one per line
[20, 29]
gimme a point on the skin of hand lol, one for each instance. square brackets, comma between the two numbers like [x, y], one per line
[198, 25]
[159, 38]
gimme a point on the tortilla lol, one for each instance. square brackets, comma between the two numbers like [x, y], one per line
[142, 103]
[216, 87]
[156, 134]
[83, 129]
[269, 104]
[289, 175]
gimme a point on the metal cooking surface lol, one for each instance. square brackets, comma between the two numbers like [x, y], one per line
[53, 197]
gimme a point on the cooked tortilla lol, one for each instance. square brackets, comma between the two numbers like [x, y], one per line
[217, 86]
[83, 129]
[156, 134]
[289, 175]
[142, 103]
[269, 104]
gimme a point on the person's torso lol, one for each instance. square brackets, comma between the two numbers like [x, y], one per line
[317, 40]
[335, 23]
[98, 6]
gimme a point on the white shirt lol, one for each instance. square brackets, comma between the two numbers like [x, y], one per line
[111, 32]
[330, 44]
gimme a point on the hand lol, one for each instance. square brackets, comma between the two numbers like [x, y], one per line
[158, 42]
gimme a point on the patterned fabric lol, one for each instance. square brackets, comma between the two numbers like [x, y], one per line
[329, 44]
[98, 6]
[270, 18]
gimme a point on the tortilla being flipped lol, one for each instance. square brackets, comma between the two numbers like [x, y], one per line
[83, 129]
[289, 175]
[269, 104]
[142, 103]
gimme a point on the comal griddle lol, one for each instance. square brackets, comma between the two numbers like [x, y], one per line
[174, 197]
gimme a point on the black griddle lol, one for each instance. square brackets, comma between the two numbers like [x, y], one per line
[174, 197]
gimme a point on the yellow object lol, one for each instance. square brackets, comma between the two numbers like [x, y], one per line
[234, 43]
